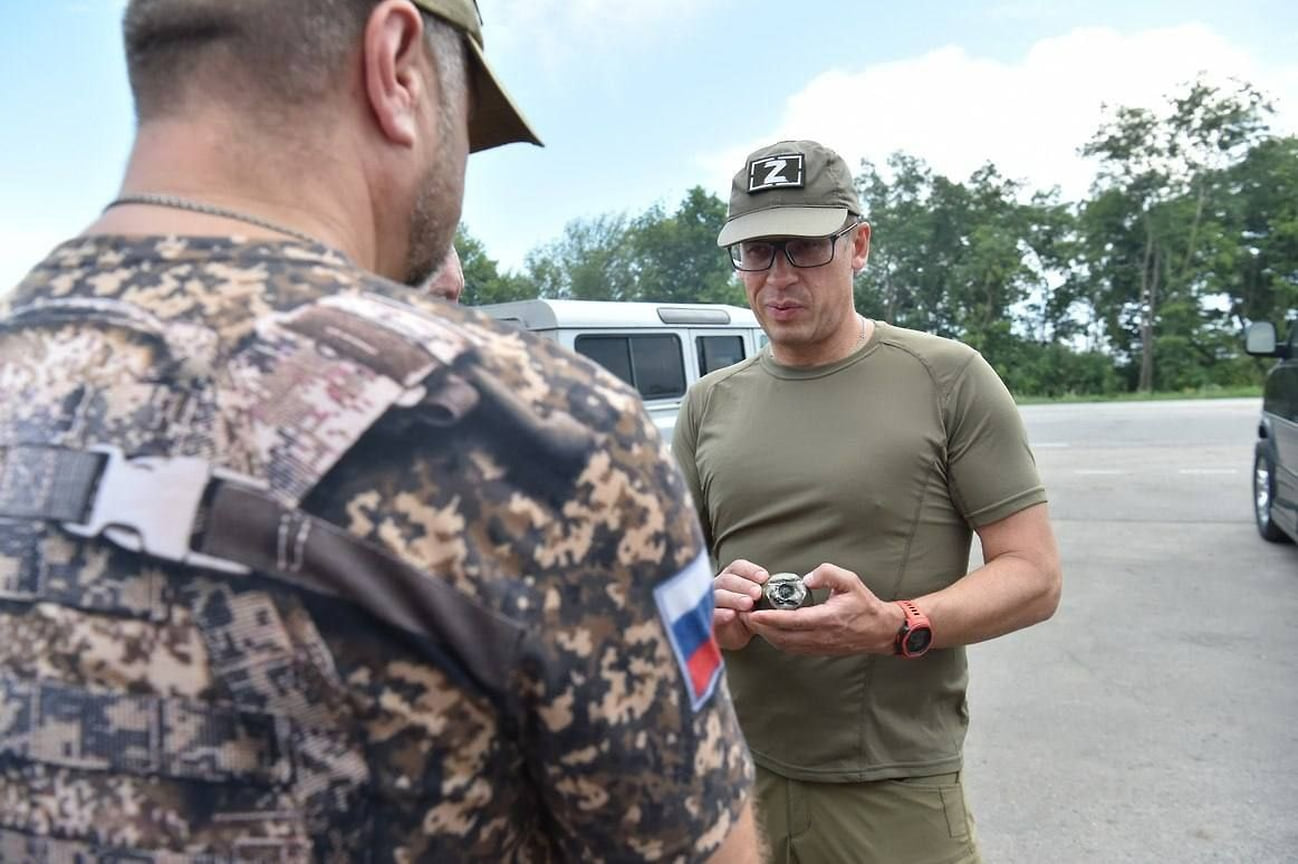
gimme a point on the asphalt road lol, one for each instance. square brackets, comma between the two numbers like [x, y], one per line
[1155, 717]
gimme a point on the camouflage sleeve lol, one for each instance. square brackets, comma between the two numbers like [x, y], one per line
[636, 739]
[627, 744]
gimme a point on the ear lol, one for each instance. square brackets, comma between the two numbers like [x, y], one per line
[393, 68]
[861, 247]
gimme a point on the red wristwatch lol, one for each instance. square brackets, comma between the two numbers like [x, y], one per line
[916, 633]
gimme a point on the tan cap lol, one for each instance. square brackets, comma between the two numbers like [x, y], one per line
[790, 189]
[495, 119]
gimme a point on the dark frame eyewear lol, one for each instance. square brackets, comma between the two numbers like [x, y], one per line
[754, 256]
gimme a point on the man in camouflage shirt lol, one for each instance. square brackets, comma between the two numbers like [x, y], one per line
[299, 564]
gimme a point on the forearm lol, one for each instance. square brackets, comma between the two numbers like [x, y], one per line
[1018, 586]
[1000, 597]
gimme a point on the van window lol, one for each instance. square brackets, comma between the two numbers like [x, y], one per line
[651, 363]
[718, 352]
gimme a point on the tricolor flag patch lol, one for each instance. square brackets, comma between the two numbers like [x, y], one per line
[685, 604]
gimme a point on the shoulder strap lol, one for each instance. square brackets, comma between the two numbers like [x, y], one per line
[314, 380]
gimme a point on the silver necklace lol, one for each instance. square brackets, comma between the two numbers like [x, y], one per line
[155, 199]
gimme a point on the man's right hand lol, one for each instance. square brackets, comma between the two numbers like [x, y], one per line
[736, 589]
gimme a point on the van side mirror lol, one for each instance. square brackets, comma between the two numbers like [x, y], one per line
[1259, 339]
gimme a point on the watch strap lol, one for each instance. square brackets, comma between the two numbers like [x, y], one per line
[914, 618]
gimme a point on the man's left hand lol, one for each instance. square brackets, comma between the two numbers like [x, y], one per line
[850, 621]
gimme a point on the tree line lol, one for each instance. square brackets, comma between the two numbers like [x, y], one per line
[1189, 232]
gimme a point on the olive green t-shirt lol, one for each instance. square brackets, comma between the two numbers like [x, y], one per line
[882, 463]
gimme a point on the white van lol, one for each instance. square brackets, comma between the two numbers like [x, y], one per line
[660, 349]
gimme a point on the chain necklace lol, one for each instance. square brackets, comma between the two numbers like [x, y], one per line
[155, 199]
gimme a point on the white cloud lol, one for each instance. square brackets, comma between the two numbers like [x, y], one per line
[957, 111]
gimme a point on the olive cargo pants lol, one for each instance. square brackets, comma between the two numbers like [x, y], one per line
[920, 820]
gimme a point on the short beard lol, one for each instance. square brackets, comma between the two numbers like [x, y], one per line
[436, 212]
[432, 227]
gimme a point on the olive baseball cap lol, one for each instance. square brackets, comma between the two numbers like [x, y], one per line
[495, 119]
[790, 189]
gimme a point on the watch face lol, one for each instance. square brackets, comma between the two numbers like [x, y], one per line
[917, 641]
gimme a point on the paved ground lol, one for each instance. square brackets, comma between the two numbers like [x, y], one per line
[1155, 718]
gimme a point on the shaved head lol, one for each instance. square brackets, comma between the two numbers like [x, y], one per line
[266, 55]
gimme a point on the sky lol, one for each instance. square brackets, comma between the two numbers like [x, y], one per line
[639, 100]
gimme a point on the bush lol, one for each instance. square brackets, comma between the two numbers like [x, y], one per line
[1053, 370]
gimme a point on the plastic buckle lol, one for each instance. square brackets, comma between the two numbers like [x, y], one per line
[150, 505]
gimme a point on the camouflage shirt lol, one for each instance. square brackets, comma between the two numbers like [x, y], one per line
[153, 712]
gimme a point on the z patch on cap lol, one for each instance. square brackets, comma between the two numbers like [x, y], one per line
[782, 171]
[685, 606]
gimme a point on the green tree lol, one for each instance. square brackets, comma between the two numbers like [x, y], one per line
[1259, 270]
[656, 256]
[591, 261]
[675, 257]
[483, 281]
[901, 281]
[1152, 224]
[980, 261]
[993, 275]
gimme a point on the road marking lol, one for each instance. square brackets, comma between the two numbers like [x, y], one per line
[1110, 472]
[1052, 445]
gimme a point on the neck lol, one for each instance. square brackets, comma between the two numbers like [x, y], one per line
[280, 184]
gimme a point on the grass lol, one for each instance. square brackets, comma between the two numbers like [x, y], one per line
[1239, 392]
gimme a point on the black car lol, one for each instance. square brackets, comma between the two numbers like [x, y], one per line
[1275, 463]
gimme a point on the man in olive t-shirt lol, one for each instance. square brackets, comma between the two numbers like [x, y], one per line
[864, 456]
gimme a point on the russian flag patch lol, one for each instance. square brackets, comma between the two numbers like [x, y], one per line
[685, 604]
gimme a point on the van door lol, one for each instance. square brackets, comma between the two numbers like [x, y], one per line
[717, 348]
[713, 351]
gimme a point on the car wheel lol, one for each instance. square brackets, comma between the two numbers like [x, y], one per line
[1263, 495]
